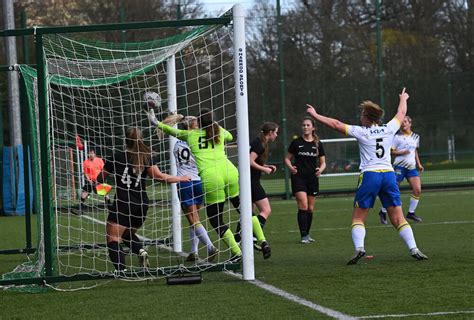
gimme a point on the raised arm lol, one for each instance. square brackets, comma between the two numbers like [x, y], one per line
[330, 122]
[402, 106]
[166, 125]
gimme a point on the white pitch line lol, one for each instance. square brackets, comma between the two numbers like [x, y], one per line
[294, 298]
[415, 314]
[387, 226]
[329, 312]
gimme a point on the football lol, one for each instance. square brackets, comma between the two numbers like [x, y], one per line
[152, 100]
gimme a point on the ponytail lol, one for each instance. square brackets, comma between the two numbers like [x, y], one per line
[140, 153]
[207, 123]
[267, 127]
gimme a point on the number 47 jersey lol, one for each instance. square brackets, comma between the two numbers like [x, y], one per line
[374, 145]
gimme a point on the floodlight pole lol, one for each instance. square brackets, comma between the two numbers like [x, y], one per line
[240, 74]
[13, 84]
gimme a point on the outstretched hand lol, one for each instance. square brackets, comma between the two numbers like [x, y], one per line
[310, 109]
[152, 117]
[404, 95]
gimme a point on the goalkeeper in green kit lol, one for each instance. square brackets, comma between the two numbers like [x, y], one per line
[220, 177]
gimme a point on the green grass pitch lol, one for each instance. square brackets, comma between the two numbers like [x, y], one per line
[392, 283]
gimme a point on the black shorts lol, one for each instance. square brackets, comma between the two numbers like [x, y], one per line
[127, 214]
[310, 185]
[258, 193]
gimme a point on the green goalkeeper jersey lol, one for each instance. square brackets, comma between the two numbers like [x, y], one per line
[207, 153]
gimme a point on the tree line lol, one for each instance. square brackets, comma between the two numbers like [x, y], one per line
[329, 56]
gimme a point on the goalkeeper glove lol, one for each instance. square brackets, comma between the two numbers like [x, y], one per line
[152, 117]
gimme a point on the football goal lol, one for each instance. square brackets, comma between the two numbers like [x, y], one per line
[88, 92]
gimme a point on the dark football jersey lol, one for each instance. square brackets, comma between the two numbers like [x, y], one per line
[306, 156]
[257, 147]
[131, 187]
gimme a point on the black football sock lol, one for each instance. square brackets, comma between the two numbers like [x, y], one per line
[132, 242]
[302, 222]
[116, 255]
[262, 220]
[309, 221]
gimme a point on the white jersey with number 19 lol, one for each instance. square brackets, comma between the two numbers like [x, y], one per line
[374, 145]
[185, 162]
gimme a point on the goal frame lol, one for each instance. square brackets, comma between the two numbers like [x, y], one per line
[44, 155]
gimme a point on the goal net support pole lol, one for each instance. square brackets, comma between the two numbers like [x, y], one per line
[240, 74]
[173, 107]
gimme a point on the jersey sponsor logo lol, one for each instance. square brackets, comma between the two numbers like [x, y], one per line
[307, 154]
[377, 130]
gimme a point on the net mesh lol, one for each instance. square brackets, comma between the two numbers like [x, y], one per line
[95, 92]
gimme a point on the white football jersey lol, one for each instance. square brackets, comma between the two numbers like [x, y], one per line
[185, 162]
[409, 142]
[374, 144]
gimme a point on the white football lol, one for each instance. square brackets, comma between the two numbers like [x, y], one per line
[152, 100]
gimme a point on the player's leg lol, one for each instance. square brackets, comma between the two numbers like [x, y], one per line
[257, 230]
[301, 198]
[131, 240]
[298, 187]
[309, 217]
[232, 189]
[190, 213]
[405, 231]
[136, 220]
[86, 189]
[264, 210]
[415, 183]
[214, 213]
[368, 188]
[199, 230]
[390, 197]
[260, 200]
[313, 190]
[185, 194]
[214, 191]
[358, 233]
[113, 239]
[383, 215]
[400, 174]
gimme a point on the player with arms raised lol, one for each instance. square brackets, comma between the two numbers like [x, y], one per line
[377, 177]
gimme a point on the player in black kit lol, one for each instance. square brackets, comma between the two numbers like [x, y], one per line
[128, 211]
[306, 161]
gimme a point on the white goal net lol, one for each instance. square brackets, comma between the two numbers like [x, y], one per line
[95, 92]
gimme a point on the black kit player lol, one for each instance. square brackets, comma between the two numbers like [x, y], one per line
[128, 211]
[306, 161]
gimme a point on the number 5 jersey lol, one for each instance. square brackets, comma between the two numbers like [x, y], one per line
[374, 144]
